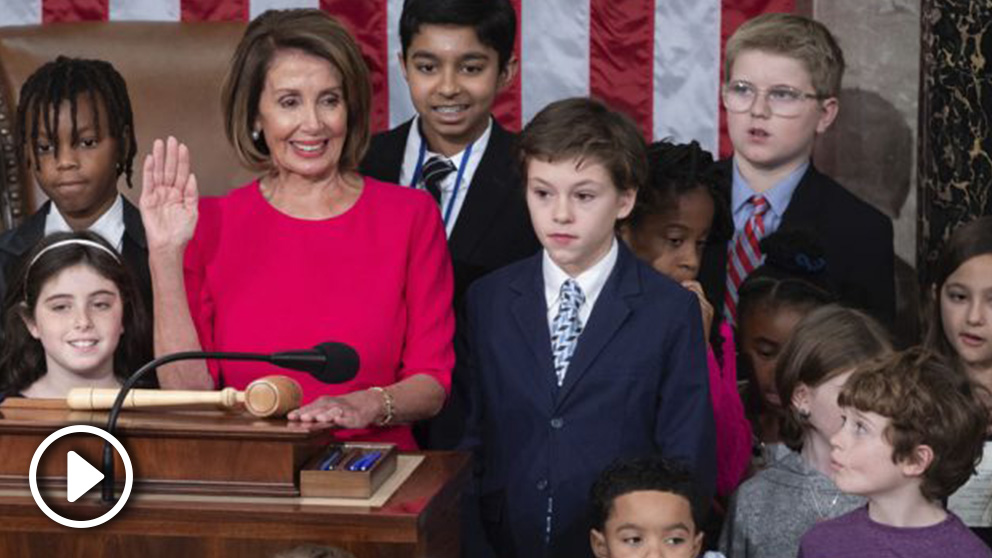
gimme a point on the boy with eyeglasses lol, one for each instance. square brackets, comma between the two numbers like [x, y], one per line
[783, 75]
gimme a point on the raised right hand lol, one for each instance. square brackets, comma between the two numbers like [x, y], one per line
[168, 196]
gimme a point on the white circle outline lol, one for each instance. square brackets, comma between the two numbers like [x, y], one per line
[80, 429]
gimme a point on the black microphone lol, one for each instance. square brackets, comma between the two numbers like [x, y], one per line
[331, 363]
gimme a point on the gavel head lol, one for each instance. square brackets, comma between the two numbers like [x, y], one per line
[273, 396]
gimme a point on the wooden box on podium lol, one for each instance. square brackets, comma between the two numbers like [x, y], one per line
[215, 484]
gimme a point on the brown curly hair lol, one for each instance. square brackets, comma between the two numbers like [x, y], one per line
[927, 403]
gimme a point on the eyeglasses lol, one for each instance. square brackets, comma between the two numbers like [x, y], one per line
[784, 101]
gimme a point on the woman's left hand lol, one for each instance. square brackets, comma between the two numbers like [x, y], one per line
[358, 409]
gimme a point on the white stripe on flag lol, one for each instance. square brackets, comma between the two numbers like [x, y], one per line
[400, 106]
[554, 45]
[257, 7]
[20, 12]
[145, 10]
[686, 71]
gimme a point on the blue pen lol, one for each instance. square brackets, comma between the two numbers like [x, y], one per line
[366, 462]
[331, 460]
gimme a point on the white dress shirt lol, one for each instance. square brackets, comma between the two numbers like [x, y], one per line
[591, 281]
[110, 225]
[412, 153]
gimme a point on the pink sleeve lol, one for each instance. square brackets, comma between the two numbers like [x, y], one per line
[201, 307]
[430, 329]
[733, 430]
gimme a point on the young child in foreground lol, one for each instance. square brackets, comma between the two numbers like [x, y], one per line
[73, 318]
[646, 507]
[913, 432]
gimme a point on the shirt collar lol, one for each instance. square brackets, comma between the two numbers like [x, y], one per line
[110, 225]
[778, 196]
[591, 281]
[412, 153]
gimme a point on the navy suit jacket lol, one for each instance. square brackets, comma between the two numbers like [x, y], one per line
[637, 385]
[493, 229]
[856, 240]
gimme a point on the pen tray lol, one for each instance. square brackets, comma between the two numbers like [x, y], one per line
[342, 483]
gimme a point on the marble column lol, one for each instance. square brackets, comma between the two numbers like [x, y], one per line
[955, 145]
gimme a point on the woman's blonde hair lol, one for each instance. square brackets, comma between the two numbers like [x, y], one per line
[801, 38]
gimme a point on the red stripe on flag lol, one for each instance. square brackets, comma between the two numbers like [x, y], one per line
[733, 14]
[60, 11]
[621, 57]
[367, 21]
[215, 10]
[507, 107]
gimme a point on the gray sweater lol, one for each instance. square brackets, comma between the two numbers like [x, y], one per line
[771, 511]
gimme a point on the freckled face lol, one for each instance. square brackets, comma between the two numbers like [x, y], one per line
[861, 457]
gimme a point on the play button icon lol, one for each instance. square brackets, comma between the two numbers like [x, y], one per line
[81, 476]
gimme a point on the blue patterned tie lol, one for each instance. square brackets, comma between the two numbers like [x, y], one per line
[566, 327]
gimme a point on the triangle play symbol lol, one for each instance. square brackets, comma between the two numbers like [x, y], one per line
[80, 476]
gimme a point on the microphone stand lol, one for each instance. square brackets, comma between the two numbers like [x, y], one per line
[107, 486]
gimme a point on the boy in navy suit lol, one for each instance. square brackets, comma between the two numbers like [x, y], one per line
[457, 55]
[582, 354]
[783, 75]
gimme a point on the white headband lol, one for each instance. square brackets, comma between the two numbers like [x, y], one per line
[71, 241]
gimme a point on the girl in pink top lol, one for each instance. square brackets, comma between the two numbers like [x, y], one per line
[676, 214]
[311, 252]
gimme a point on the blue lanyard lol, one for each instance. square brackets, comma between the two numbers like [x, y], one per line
[458, 177]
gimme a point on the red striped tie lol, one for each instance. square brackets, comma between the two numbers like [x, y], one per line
[744, 255]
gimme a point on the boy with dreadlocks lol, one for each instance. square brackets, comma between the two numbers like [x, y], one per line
[76, 132]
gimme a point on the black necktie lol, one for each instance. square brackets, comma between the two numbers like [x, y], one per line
[435, 170]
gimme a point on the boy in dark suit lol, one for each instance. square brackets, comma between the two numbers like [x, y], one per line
[76, 131]
[783, 77]
[457, 55]
[582, 353]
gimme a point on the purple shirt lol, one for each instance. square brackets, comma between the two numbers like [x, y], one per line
[855, 534]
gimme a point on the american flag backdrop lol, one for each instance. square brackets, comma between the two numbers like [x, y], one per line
[657, 60]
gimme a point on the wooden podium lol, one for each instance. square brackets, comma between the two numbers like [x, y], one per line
[217, 485]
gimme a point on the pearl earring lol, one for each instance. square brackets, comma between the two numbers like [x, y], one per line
[256, 134]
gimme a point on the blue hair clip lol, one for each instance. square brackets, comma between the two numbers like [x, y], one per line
[810, 265]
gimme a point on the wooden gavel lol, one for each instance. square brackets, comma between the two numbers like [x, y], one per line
[271, 396]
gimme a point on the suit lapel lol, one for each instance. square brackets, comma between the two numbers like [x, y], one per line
[384, 161]
[530, 313]
[488, 191]
[805, 205]
[607, 317]
[30, 232]
[133, 228]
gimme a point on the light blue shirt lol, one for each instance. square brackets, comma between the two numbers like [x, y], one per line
[778, 198]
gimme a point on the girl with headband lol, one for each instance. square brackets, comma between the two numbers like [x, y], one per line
[72, 318]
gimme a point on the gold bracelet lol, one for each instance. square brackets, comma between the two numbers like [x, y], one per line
[390, 405]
